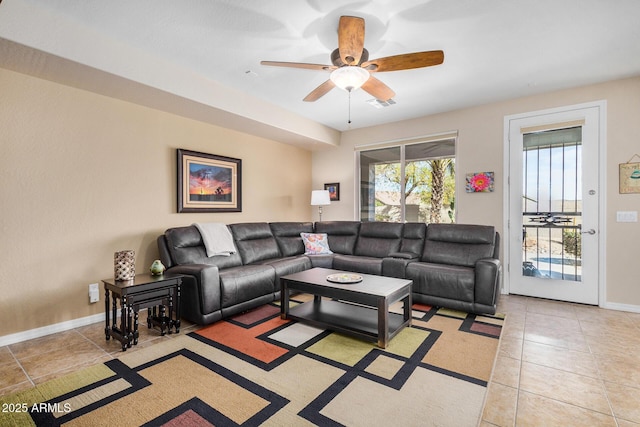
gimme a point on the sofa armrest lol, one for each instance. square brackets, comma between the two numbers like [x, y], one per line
[207, 285]
[404, 255]
[393, 266]
[487, 280]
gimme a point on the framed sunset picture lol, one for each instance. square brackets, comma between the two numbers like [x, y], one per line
[208, 183]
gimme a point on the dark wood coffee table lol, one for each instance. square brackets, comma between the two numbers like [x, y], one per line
[360, 309]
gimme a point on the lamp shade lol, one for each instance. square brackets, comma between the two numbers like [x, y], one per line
[349, 77]
[320, 197]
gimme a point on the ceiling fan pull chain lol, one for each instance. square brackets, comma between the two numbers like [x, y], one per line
[349, 108]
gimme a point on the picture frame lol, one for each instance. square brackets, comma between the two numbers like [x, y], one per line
[479, 182]
[629, 178]
[208, 182]
[334, 191]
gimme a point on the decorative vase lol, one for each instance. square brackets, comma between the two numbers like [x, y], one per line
[124, 265]
[157, 268]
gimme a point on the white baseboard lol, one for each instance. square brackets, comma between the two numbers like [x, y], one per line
[50, 329]
[621, 307]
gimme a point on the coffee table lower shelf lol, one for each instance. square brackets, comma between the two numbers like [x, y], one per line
[345, 317]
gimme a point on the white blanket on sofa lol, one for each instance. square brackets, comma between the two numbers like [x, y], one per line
[217, 238]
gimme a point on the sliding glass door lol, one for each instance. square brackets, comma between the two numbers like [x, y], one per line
[413, 182]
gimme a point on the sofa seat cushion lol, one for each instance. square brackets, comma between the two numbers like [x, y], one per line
[244, 283]
[358, 264]
[441, 280]
[288, 265]
[322, 261]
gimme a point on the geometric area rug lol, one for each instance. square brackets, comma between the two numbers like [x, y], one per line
[257, 369]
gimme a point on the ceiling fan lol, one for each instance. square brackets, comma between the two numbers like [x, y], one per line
[352, 68]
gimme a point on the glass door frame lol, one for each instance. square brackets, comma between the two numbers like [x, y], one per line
[596, 110]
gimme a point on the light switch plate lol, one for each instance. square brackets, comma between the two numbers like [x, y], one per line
[627, 216]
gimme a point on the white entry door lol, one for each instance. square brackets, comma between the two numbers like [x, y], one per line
[554, 228]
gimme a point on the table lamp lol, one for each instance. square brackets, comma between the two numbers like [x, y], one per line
[320, 198]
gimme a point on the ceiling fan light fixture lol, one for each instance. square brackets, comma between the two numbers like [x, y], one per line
[350, 77]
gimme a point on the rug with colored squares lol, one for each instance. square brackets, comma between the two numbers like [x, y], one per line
[258, 369]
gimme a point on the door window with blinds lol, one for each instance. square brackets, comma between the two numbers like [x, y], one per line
[409, 182]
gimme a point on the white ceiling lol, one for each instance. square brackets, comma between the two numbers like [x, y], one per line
[208, 52]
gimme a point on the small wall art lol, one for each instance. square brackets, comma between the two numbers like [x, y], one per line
[630, 177]
[334, 191]
[479, 182]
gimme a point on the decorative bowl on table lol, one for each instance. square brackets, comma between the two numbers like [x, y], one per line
[344, 278]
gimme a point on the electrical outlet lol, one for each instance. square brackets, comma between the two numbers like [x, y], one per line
[94, 293]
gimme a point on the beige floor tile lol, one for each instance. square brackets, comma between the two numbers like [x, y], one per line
[564, 386]
[10, 374]
[536, 411]
[613, 346]
[605, 327]
[514, 299]
[590, 312]
[555, 337]
[513, 332]
[6, 356]
[500, 405]
[553, 322]
[64, 357]
[578, 362]
[625, 401]
[510, 347]
[620, 369]
[45, 344]
[552, 308]
[507, 371]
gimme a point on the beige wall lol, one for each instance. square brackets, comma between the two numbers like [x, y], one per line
[83, 176]
[480, 148]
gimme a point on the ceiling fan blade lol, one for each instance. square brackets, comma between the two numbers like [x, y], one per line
[378, 89]
[320, 91]
[320, 67]
[351, 39]
[406, 61]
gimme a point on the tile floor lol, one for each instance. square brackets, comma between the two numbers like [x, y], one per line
[559, 364]
[562, 364]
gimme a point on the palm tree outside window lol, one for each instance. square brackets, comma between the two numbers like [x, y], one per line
[410, 182]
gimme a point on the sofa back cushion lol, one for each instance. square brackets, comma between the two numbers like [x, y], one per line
[254, 241]
[413, 236]
[342, 235]
[458, 244]
[185, 246]
[378, 239]
[287, 235]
